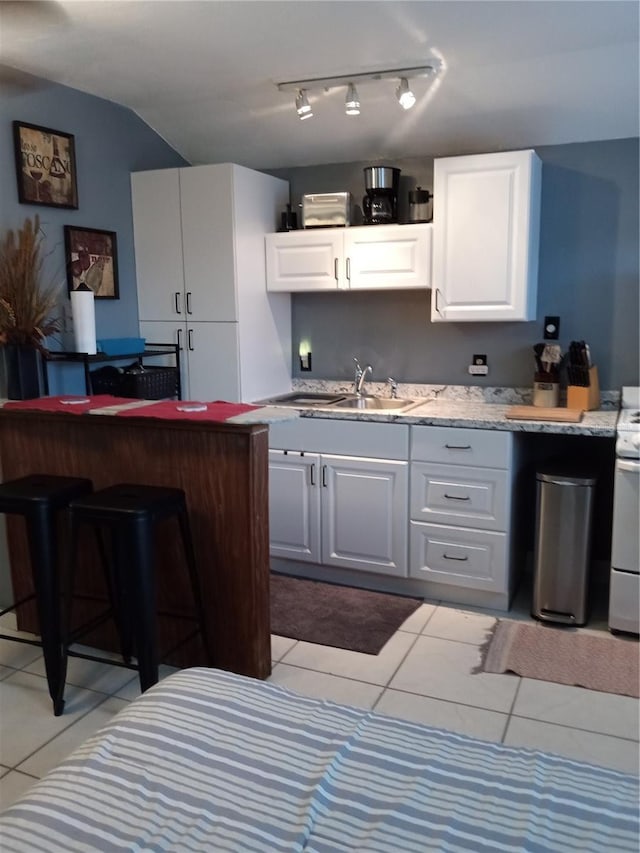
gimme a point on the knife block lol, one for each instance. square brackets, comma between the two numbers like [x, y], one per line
[587, 399]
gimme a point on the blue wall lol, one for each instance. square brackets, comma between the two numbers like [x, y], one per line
[111, 142]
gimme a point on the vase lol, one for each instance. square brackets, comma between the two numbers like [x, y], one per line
[22, 369]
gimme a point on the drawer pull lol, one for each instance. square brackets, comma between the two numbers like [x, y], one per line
[458, 446]
[457, 497]
[457, 559]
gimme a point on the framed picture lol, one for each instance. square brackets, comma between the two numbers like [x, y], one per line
[45, 166]
[92, 260]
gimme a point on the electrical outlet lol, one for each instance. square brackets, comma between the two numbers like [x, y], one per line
[479, 366]
[551, 328]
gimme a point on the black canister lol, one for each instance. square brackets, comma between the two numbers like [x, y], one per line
[289, 220]
[419, 205]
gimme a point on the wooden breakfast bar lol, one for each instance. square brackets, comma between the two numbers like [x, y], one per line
[223, 469]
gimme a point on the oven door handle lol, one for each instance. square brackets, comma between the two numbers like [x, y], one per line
[628, 465]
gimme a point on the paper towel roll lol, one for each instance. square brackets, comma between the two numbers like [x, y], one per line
[84, 321]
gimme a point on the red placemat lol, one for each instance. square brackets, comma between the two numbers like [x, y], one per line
[75, 404]
[218, 410]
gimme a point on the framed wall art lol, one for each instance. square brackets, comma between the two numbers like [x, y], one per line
[45, 166]
[92, 260]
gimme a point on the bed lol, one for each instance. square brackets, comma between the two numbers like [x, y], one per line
[211, 761]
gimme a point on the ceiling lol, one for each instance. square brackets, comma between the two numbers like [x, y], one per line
[203, 75]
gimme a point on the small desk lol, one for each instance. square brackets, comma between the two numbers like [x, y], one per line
[86, 360]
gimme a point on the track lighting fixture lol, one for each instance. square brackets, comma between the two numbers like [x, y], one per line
[303, 106]
[352, 102]
[404, 94]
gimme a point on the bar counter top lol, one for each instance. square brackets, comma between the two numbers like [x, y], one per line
[222, 467]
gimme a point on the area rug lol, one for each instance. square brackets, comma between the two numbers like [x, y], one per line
[333, 615]
[564, 655]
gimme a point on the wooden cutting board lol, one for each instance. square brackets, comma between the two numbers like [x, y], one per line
[544, 413]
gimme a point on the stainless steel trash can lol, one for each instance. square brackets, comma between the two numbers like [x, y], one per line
[564, 510]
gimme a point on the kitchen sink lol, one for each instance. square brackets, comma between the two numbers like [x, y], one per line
[374, 403]
[301, 399]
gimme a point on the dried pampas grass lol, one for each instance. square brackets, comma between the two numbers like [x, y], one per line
[27, 309]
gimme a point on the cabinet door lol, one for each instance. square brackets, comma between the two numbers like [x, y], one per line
[305, 260]
[173, 332]
[388, 256]
[212, 356]
[364, 514]
[207, 209]
[155, 198]
[486, 223]
[294, 505]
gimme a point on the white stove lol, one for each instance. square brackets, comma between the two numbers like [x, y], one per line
[628, 425]
[624, 593]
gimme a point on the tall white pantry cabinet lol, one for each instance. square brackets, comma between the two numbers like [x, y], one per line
[200, 268]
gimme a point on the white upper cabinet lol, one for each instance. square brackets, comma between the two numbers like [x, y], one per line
[374, 257]
[304, 260]
[486, 224]
[157, 226]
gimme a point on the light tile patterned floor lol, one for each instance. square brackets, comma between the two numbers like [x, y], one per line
[424, 673]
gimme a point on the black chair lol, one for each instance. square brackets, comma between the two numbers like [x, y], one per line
[130, 512]
[39, 498]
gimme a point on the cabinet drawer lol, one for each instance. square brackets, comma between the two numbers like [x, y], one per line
[475, 559]
[467, 497]
[459, 446]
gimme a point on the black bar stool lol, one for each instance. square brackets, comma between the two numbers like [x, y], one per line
[130, 512]
[38, 498]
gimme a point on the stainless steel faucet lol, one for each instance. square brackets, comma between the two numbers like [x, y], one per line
[394, 387]
[360, 376]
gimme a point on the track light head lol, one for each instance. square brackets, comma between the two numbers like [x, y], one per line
[303, 107]
[352, 101]
[404, 94]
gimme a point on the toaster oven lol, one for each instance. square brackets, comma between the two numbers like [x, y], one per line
[326, 210]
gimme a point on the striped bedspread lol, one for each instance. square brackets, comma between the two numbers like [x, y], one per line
[210, 761]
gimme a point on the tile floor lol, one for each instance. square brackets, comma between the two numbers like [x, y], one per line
[423, 673]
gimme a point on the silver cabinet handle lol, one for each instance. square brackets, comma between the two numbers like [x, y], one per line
[312, 474]
[437, 301]
[335, 269]
[324, 476]
[179, 337]
[190, 339]
[348, 269]
[458, 446]
[177, 302]
[456, 497]
[189, 311]
[457, 559]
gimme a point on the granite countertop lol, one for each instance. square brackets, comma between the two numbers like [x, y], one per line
[463, 406]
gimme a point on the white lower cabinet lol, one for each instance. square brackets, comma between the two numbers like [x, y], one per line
[203, 347]
[421, 509]
[340, 510]
[460, 512]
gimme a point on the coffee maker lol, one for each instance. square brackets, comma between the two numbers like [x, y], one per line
[380, 205]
